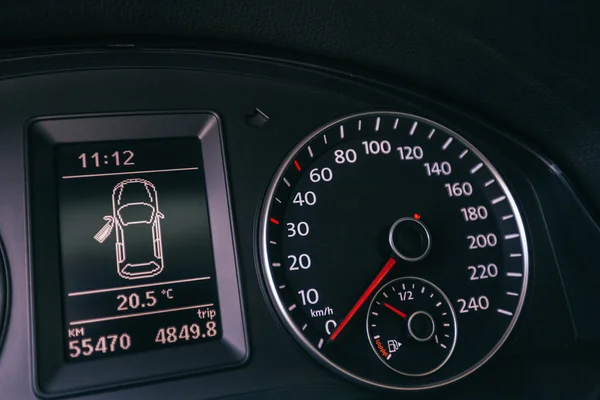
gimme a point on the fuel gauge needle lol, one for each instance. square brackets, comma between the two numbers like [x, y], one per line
[395, 310]
[384, 271]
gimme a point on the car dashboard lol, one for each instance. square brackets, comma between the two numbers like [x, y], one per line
[212, 221]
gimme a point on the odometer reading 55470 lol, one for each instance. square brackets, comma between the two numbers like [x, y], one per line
[394, 251]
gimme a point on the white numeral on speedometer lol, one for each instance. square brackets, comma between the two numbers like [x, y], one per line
[474, 304]
[438, 168]
[481, 241]
[342, 156]
[308, 198]
[483, 271]
[303, 261]
[459, 189]
[318, 175]
[410, 152]
[300, 229]
[330, 325]
[375, 147]
[474, 213]
[310, 296]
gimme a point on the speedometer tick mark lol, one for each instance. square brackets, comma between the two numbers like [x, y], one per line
[310, 153]
[304, 327]
[359, 124]
[511, 236]
[393, 288]
[509, 216]
[378, 302]
[297, 165]
[443, 345]
[342, 131]
[389, 356]
[276, 265]
[498, 199]
[374, 313]
[413, 286]
[376, 337]
[447, 143]
[403, 287]
[514, 274]
[515, 255]
[273, 220]
[423, 289]
[277, 200]
[476, 168]
[325, 138]
[282, 287]
[431, 295]
[488, 183]
[396, 123]
[287, 182]
[290, 308]
[320, 343]
[445, 313]
[464, 153]
[272, 242]
[377, 122]
[413, 128]
[501, 311]
[438, 304]
[446, 335]
[512, 294]
[436, 339]
[431, 134]
[446, 325]
[385, 295]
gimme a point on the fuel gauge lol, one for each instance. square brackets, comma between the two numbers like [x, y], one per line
[411, 326]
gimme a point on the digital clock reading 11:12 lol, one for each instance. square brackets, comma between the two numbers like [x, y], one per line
[117, 159]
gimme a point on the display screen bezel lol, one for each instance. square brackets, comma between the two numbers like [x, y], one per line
[53, 374]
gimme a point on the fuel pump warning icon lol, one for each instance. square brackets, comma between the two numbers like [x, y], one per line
[135, 220]
[393, 345]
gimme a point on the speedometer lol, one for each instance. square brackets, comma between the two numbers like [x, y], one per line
[393, 251]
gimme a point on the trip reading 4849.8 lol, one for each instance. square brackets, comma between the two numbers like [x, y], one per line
[174, 334]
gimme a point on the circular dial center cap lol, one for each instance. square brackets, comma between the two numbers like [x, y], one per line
[410, 239]
[421, 326]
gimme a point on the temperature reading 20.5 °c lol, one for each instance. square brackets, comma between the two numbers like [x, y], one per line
[148, 299]
[393, 250]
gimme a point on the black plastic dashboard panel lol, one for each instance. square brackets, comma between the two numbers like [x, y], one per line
[297, 99]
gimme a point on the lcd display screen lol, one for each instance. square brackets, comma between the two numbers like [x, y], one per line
[137, 262]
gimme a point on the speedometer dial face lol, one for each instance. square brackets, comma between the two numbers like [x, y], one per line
[368, 207]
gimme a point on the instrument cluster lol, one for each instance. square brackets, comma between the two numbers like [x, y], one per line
[201, 219]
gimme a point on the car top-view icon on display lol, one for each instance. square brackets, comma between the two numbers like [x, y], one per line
[136, 222]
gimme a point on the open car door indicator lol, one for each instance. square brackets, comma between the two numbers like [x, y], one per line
[136, 222]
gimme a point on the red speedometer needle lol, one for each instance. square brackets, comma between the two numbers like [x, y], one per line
[384, 271]
[394, 309]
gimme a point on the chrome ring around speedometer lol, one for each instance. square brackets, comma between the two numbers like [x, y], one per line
[328, 242]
